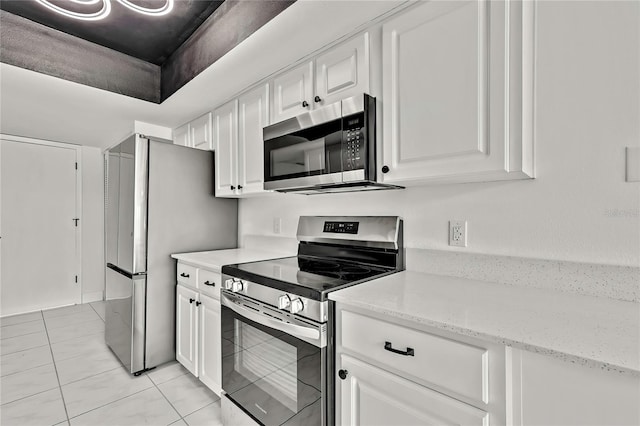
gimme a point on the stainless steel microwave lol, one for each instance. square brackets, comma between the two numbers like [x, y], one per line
[330, 149]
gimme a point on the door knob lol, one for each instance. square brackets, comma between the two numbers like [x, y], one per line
[343, 374]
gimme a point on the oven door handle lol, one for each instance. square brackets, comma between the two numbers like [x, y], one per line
[292, 329]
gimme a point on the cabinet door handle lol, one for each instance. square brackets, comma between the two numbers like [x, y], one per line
[408, 352]
[305, 104]
[191, 300]
[211, 283]
[239, 186]
[343, 374]
[183, 275]
[198, 303]
[385, 169]
[317, 99]
[233, 187]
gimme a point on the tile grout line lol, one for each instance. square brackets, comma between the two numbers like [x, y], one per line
[55, 368]
[167, 399]
[109, 403]
[94, 310]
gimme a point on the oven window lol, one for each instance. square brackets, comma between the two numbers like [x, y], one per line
[313, 151]
[269, 362]
[270, 374]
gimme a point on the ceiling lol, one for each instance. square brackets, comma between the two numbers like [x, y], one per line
[150, 38]
[37, 105]
[129, 50]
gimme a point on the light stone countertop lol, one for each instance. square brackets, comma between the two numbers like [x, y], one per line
[593, 331]
[215, 259]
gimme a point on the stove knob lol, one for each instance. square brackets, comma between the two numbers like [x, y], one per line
[237, 286]
[228, 284]
[284, 302]
[296, 306]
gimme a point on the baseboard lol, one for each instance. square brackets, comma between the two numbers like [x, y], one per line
[94, 296]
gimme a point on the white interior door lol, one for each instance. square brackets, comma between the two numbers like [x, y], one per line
[38, 253]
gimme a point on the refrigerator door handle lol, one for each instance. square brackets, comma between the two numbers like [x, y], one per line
[123, 272]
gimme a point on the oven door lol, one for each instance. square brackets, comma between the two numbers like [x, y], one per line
[273, 365]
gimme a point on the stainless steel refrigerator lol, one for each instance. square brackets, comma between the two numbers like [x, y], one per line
[160, 200]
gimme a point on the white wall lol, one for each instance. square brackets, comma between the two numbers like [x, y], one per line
[92, 217]
[579, 208]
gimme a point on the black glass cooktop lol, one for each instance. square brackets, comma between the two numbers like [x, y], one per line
[305, 276]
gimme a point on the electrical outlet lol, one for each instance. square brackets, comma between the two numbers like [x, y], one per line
[458, 233]
[277, 225]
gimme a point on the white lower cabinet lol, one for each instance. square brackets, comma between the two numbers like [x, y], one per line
[209, 341]
[553, 392]
[198, 325]
[389, 372]
[186, 328]
[372, 396]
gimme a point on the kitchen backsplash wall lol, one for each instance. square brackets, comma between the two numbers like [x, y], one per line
[579, 208]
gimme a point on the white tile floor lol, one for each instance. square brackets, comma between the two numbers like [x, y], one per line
[56, 369]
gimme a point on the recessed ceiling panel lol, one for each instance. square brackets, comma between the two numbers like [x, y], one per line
[150, 38]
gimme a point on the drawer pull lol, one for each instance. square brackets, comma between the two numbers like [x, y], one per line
[211, 283]
[184, 275]
[408, 352]
[343, 374]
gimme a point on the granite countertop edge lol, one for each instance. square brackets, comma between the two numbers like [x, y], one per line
[423, 320]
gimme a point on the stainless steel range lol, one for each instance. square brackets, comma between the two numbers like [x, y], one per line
[278, 324]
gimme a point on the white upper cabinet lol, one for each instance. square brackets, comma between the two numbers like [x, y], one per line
[293, 92]
[195, 134]
[201, 135]
[457, 92]
[181, 135]
[341, 72]
[225, 128]
[253, 115]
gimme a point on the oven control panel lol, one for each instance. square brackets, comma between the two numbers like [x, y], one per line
[341, 227]
[235, 285]
[290, 303]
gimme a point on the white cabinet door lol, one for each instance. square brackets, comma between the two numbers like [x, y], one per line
[225, 127]
[253, 115]
[453, 92]
[343, 71]
[187, 329]
[210, 355]
[201, 135]
[181, 135]
[370, 396]
[554, 392]
[292, 93]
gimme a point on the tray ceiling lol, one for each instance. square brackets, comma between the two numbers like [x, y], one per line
[127, 51]
[150, 38]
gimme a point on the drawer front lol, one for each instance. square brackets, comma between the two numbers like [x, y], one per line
[187, 275]
[209, 283]
[448, 364]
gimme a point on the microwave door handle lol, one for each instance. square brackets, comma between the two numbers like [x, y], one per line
[292, 329]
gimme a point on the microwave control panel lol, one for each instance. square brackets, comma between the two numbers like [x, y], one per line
[353, 140]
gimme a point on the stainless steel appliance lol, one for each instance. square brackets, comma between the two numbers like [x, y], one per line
[278, 324]
[160, 201]
[330, 149]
